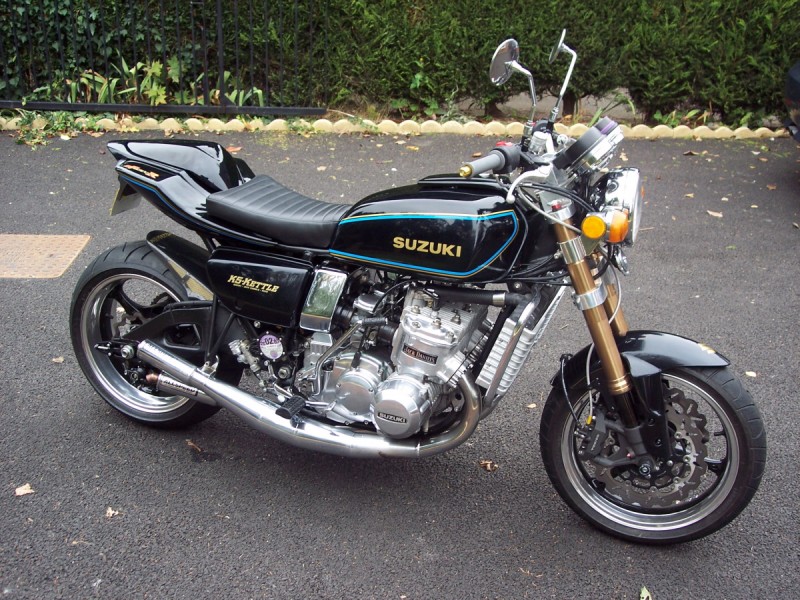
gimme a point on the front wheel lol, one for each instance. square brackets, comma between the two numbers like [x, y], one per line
[714, 425]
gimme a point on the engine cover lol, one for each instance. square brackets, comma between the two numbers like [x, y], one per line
[403, 405]
[351, 390]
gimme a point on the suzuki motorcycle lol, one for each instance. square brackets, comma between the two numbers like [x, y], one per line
[392, 327]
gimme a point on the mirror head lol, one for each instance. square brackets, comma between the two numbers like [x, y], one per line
[558, 47]
[504, 57]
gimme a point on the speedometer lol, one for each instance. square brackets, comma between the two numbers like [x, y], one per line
[592, 150]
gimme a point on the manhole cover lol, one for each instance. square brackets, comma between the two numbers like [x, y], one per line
[38, 256]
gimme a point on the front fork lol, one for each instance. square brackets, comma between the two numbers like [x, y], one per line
[625, 390]
[597, 304]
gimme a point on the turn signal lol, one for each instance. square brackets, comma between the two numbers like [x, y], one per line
[593, 227]
[617, 227]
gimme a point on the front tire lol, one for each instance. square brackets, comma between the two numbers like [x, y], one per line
[710, 415]
[120, 290]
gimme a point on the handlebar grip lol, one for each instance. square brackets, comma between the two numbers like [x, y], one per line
[494, 161]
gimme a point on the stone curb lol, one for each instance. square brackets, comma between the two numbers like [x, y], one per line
[493, 128]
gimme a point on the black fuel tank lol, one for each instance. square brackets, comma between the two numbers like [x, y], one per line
[259, 285]
[443, 227]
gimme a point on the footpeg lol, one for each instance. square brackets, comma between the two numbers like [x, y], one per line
[291, 407]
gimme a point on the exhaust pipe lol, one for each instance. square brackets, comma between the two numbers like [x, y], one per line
[165, 383]
[309, 434]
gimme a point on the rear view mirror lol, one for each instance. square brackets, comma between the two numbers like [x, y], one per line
[504, 57]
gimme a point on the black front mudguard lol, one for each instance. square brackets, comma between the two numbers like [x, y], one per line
[647, 354]
[659, 350]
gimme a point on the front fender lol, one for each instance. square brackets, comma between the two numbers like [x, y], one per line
[661, 350]
[647, 354]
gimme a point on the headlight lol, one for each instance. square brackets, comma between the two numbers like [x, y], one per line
[623, 191]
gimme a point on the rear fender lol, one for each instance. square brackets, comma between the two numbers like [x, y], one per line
[185, 259]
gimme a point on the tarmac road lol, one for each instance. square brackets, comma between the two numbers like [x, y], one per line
[122, 511]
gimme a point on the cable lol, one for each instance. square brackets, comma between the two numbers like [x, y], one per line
[565, 193]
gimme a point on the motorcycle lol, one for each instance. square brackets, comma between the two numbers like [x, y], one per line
[392, 327]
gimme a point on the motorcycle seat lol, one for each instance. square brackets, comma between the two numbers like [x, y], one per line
[264, 206]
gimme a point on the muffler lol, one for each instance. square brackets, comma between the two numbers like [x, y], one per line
[306, 433]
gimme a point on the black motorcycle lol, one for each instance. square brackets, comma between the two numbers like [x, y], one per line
[392, 327]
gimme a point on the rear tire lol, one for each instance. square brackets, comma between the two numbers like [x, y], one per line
[122, 288]
[711, 415]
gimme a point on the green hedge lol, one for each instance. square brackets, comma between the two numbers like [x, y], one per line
[727, 56]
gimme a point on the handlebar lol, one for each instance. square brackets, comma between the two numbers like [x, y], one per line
[503, 159]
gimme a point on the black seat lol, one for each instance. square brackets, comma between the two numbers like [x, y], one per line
[262, 205]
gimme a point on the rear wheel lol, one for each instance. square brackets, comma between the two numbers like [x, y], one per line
[714, 426]
[120, 290]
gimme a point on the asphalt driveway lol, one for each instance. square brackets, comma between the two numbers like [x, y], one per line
[222, 511]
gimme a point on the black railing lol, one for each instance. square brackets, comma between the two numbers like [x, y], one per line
[206, 57]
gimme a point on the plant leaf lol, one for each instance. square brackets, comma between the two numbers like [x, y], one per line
[24, 490]
[489, 465]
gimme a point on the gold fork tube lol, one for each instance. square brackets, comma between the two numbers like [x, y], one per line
[599, 327]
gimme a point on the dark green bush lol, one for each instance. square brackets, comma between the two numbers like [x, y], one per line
[730, 56]
[725, 56]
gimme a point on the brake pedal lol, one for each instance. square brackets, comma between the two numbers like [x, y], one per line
[291, 407]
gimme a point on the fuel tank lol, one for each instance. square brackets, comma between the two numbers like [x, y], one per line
[444, 227]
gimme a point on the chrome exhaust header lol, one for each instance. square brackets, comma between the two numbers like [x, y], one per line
[306, 433]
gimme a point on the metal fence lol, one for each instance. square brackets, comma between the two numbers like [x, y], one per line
[205, 57]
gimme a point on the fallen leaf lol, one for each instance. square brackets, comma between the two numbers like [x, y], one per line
[623, 157]
[645, 594]
[489, 465]
[233, 149]
[772, 187]
[691, 153]
[110, 512]
[58, 360]
[379, 145]
[65, 137]
[24, 490]
[193, 446]
[796, 225]
[400, 142]
[413, 148]
[715, 214]
[689, 196]
[751, 373]
[731, 247]
[322, 168]
[724, 199]
[763, 159]
[97, 134]
[531, 406]
[754, 206]
[477, 154]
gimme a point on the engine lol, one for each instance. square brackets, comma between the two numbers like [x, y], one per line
[398, 387]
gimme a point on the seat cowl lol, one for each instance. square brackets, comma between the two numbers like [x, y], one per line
[264, 206]
[207, 163]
